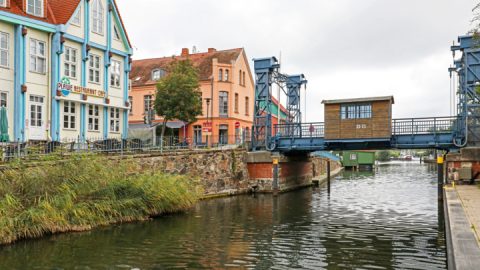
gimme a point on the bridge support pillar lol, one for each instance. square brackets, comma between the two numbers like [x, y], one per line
[289, 172]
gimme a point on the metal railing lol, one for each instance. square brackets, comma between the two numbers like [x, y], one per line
[299, 130]
[44, 150]
[415, 126]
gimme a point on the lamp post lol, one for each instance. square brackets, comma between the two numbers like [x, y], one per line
[208, 105]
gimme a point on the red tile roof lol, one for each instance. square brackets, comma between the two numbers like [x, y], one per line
[142, 68]
[56, 11]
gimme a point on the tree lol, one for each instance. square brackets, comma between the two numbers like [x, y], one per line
[475, 32]
[383, 155]
[177, 94]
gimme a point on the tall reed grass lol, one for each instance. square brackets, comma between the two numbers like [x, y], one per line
[83, 193]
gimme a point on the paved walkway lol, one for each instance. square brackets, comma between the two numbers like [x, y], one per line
[470, 197]
[323, 177]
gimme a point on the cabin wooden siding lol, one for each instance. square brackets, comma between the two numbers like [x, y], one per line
[361, 128]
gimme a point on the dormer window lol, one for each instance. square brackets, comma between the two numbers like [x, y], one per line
[35, 7]
[115, 33]
[158, 74]
[3, 3]
[76, 18]
[97, 17]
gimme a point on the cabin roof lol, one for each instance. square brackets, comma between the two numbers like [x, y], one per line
[352, 100]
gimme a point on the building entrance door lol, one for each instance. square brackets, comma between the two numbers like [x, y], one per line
[223, 134]
[197, 134]
[37, 122]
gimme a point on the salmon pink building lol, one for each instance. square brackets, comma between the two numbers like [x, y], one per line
[226, 81]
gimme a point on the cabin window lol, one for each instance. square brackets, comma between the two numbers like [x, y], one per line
[356, 110]
[353, 156]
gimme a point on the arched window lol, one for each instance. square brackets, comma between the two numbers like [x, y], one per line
[220, 75]
[226, 75]
[97, 17]
[240, 77]
[244, 78]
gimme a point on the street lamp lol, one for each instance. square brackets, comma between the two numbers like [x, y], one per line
[208, 105]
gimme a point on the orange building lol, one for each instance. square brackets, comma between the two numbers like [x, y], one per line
[225, 78]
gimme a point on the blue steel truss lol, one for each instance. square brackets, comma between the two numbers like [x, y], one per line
[447, 133]
[266, 71]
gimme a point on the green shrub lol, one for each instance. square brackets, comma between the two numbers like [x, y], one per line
[82, 193]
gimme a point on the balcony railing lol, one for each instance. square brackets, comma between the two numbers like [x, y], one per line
[415, 126]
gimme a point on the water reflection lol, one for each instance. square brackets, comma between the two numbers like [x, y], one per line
[383, 219]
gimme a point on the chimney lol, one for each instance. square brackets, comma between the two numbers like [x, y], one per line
[184, 51]
[211, 50]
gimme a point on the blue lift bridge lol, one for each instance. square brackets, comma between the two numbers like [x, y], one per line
[445, 133]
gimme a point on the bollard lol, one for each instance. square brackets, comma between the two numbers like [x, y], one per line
[440, 178]
[275, 176]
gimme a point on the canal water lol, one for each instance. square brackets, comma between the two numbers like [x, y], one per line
[385, 219]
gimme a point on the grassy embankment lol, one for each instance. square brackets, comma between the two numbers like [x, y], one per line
[84, 193]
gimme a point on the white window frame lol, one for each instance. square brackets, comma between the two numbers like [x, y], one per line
[7, 50]
[130, 101]
[93, 117]
[115, 74]
[69, 62]
[37, 55]
[71, 116]
[116, 34]
[154, 75]
[150, 100]
[223, 103]
[92, 68]
[98, 19]
[114, 120]
[33, 5]
[77, 16]
[3, 3]
[353, 156]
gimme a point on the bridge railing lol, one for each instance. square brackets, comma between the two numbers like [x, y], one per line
[299, 130]
[414, 126]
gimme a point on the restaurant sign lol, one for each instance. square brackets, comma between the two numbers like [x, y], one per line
[65, 87]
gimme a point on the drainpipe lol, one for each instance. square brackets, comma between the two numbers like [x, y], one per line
[49, 100]
[211, 96]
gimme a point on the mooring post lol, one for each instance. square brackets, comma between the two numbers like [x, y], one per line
[275, 176]
[440, 178]
[420, 158]
[328, 170]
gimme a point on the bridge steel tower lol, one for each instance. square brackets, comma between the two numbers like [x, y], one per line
[266, 71]
[468, 107]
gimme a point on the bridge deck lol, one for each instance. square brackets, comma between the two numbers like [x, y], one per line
[406, 133]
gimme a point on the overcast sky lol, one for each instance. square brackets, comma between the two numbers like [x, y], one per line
[346, 49]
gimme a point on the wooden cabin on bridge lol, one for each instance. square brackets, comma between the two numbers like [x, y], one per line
[358, 118]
